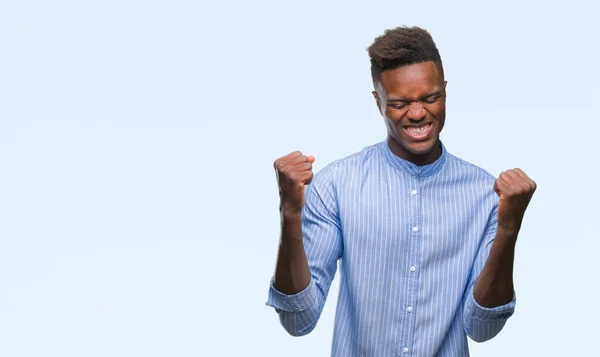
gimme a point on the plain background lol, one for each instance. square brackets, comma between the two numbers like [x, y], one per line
[138, 202]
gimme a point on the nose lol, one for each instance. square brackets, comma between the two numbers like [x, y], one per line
[416, 111]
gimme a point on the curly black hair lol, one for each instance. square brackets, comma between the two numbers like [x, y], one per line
[402, 46]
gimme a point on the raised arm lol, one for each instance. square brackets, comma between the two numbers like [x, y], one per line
[492, 300]
[310, 244]
[294, 172]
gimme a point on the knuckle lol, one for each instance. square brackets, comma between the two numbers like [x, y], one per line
[286, 172]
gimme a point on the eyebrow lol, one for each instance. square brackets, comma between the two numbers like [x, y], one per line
[430, 94]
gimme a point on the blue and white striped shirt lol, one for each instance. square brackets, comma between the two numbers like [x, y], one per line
[412, 241]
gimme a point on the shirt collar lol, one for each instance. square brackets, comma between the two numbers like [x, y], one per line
[409, 167]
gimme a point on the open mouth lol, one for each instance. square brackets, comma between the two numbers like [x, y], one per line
[418, 132]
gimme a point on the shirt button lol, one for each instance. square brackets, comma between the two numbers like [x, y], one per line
[414, 192]
[413, 268]
[415, 229]
[405, 350]
[409, 309]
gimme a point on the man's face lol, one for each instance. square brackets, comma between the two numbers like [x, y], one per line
[412, 100]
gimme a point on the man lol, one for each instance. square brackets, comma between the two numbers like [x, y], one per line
[426, 240]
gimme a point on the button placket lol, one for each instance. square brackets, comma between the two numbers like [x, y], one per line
[415, 256]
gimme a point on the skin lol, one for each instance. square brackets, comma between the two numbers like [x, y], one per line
[406, 96]
[494, 286]
[294, 172]
[412, 95]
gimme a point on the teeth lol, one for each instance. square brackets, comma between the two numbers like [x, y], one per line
[418, 130]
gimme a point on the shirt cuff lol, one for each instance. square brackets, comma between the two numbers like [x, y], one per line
[478, 312]
[301, 301]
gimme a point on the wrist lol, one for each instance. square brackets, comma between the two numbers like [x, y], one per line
[507, 233]
[289, 211]
[509, 228]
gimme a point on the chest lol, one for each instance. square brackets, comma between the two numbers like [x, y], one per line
[392, 217]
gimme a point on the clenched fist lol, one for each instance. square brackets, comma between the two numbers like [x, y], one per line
[515, 189]
[294, 171]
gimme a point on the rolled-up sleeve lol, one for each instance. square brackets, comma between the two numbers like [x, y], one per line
[301, 301]
[481, 323]
[322, 239]
[298, 313]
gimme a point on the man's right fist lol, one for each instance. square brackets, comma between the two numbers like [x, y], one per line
[293, 171]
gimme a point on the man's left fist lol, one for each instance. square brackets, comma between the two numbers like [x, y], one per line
[515, 189]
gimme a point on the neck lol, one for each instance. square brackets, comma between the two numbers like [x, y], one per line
[417, 159]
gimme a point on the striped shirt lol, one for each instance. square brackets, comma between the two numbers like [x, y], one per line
[411, 241]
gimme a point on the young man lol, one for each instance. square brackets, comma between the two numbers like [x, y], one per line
[426, 240]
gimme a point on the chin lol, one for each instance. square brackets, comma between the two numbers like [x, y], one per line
[421, 148]
[418, 148]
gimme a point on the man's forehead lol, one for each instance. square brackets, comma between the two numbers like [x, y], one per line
[411, 81]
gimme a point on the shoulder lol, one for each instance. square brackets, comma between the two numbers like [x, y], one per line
[351, 165]
[474, 179]
[469, 170]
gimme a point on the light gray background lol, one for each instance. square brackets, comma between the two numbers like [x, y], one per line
[138, 204]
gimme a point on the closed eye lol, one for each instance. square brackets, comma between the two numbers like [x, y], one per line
[398, 106]
[431, 100]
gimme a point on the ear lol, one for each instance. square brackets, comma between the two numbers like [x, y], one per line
[378, 101]
[445, 83]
